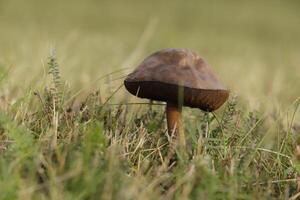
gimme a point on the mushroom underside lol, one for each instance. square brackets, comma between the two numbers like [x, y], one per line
[204, 99]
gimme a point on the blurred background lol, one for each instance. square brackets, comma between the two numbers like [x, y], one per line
[253, 46]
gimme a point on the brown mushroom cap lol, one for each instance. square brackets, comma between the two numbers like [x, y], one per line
[177, 76]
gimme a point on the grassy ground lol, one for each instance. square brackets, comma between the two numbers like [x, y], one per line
[75, 133]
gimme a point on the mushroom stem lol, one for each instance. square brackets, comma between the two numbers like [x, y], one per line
[174, 121]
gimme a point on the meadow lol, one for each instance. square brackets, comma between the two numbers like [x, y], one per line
[70, 130]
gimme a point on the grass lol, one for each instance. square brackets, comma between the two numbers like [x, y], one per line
[69, 130]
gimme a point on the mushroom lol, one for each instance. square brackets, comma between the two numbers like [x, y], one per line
[178, 77]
